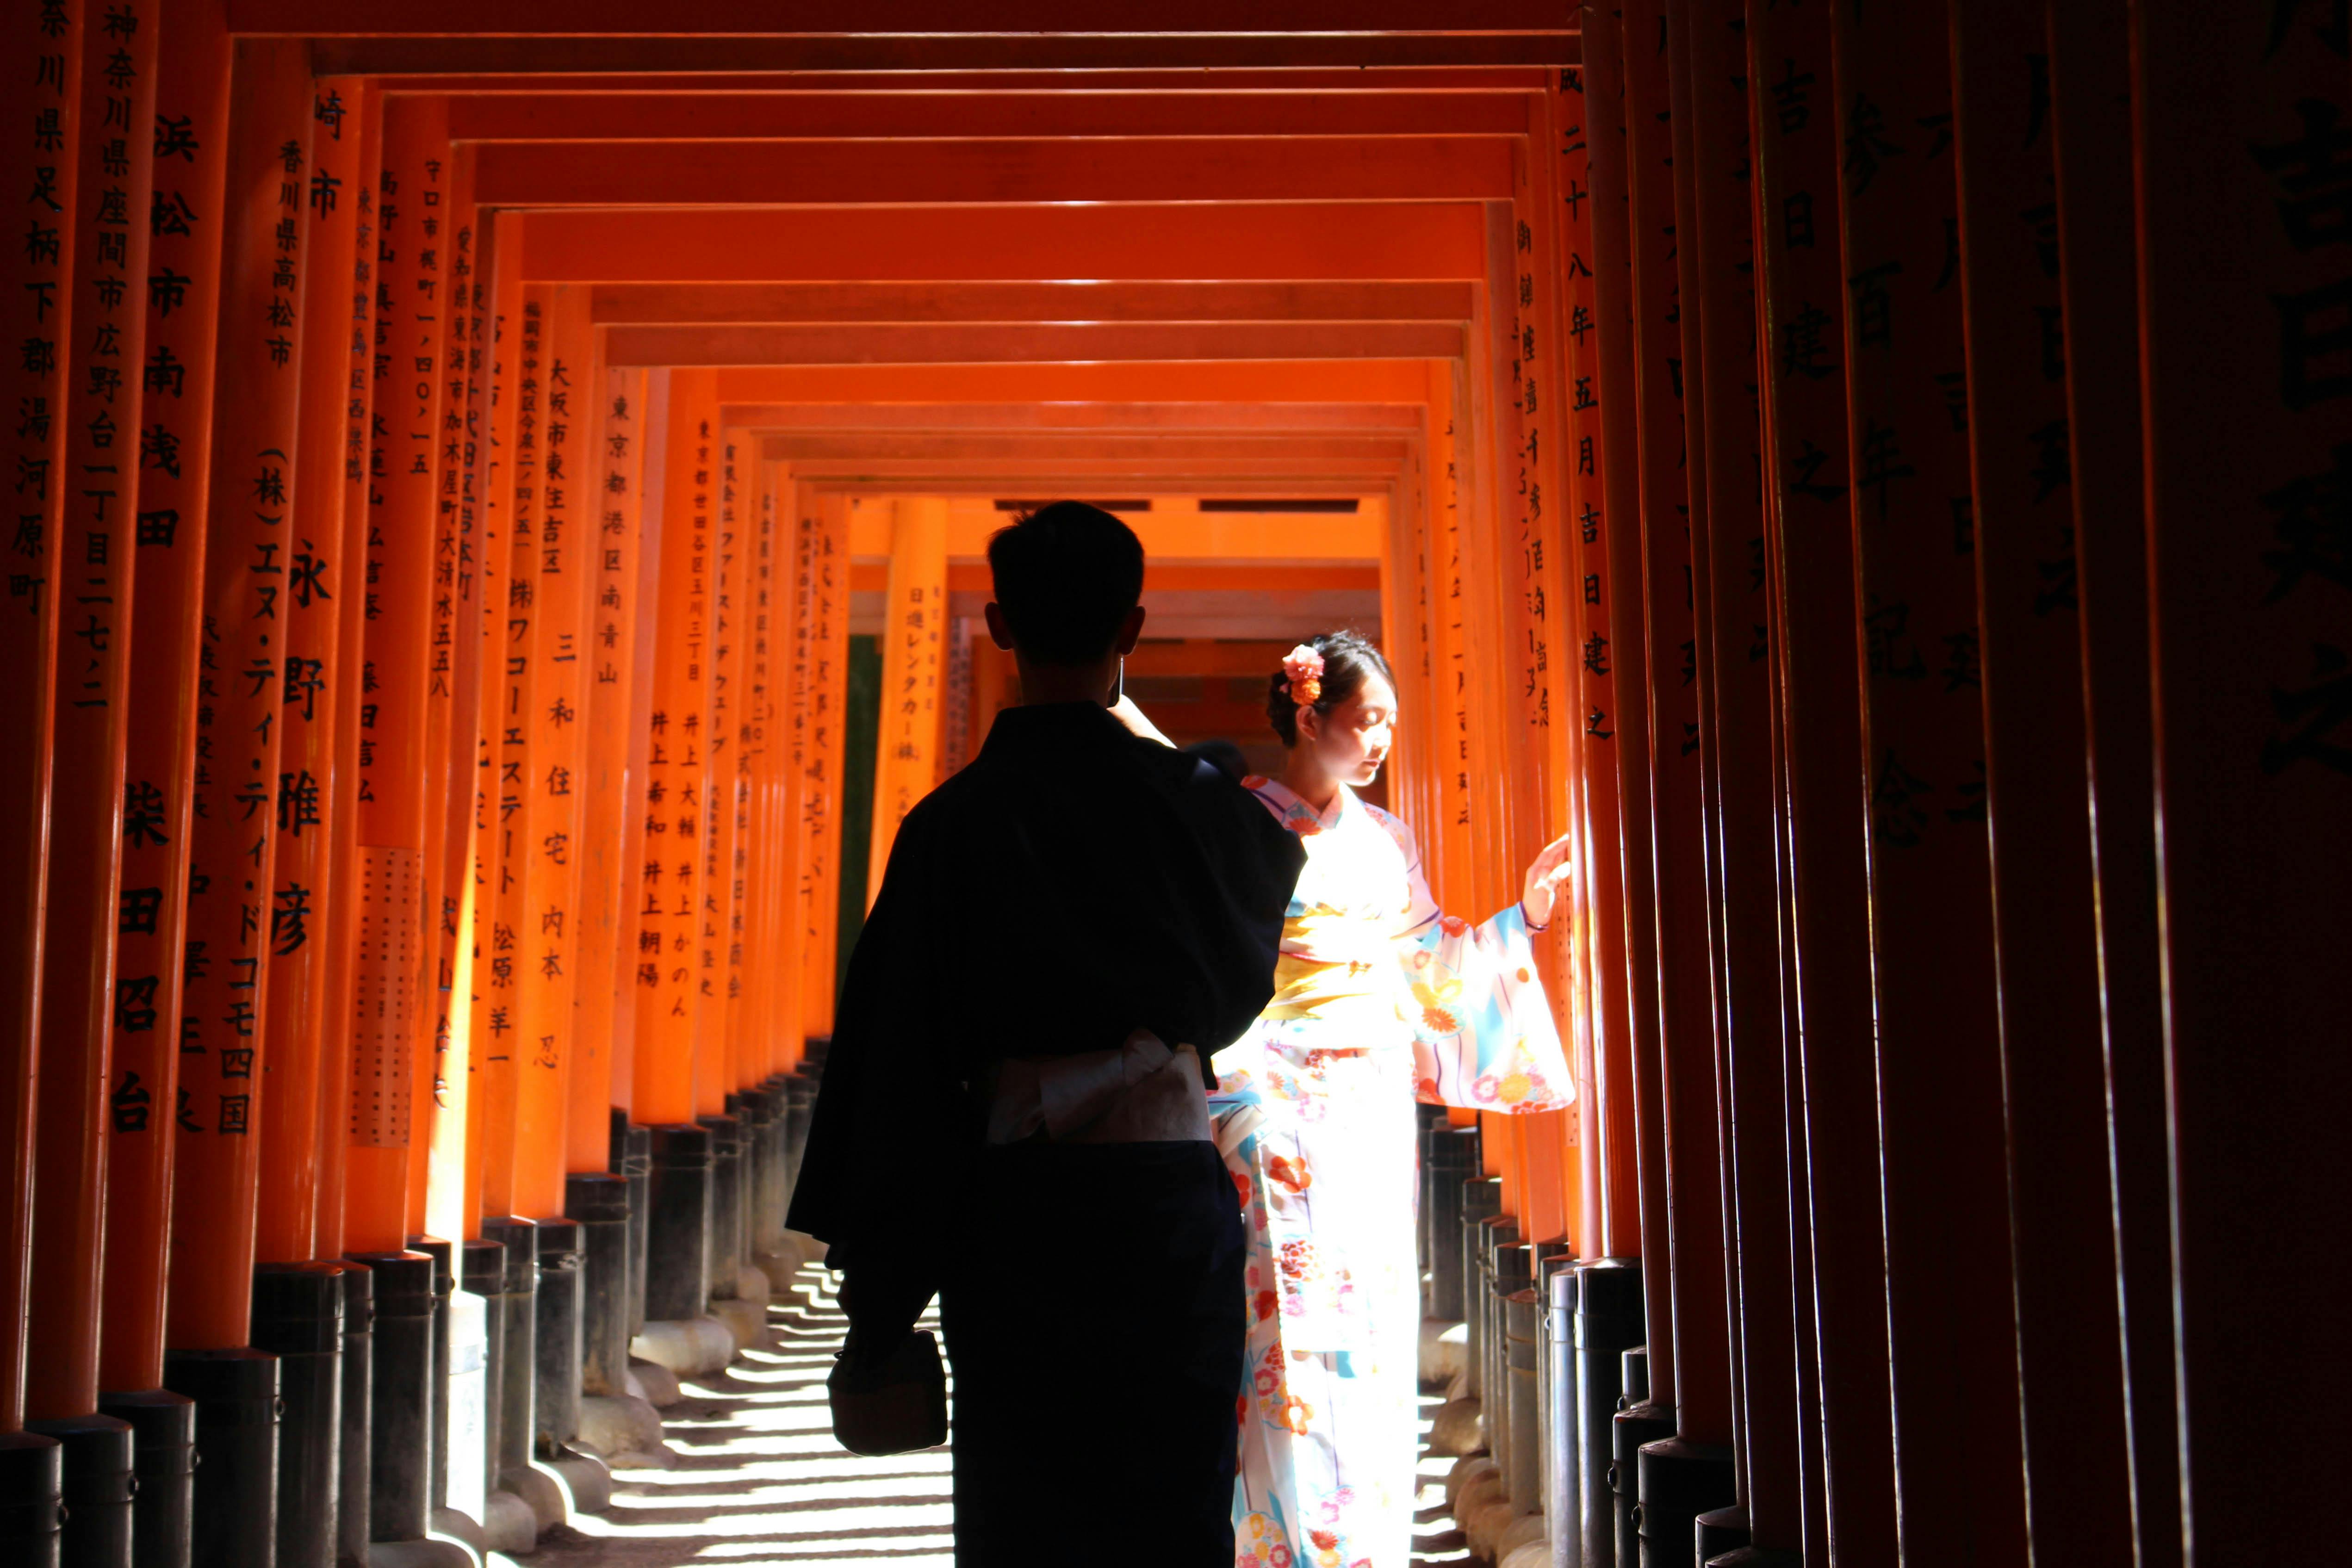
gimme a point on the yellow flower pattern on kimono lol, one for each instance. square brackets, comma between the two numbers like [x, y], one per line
[1381, 998]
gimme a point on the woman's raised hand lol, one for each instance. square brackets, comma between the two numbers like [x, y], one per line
[1545, 874]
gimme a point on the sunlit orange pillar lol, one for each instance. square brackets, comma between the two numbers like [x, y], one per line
[505, 477]
[177, 419]
[669, 1002]
[1551, 520]
[297, 1305]
[678, 1260]
[782, 649]
[825, 702]
[613, 835]
[603, 463]
[232, 839]
[802, 799]
[46, 60]
[405, 401]
[539, 828]
[1446, 841]
[714, 1072]
[102, 329]
[746, 1043]
[913, 614]
[717, 1090]
[438, 1196]
[344, 898]
[308, 612]
[554, 561]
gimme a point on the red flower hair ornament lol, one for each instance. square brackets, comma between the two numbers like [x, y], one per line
[1302, 670]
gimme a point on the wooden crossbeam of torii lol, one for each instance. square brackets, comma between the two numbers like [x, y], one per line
[903, 18]
[1280, 240]
[991, 342]
[1134, 82]
[1019, 172]
[718, 304]
[1403, 381]
[1298, 418]
[932, 109]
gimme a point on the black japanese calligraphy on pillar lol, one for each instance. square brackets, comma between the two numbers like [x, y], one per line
[236, 919]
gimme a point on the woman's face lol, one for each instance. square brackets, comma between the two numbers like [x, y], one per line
[1353, 739]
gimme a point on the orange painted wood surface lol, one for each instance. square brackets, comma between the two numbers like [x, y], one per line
[826, 705]
[396, 1001]
[555, 560]
[1270, 240]
[540, 112]
[166, 652]
[510, 477]
[972, 170]
[676, 304]
[340, 1011]
[913, 649]
[233, 839]
[667, 1003]
[47, 55]
[93, 564]
[613, 834]
[309, 616]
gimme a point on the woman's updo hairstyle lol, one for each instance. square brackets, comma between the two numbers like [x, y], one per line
[1347, 658]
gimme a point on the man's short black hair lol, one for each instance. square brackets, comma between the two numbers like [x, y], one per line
[1066, 575]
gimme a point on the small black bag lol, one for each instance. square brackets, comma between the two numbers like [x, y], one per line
[895, 1406]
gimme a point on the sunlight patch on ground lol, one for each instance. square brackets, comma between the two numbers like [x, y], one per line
[760, 1482]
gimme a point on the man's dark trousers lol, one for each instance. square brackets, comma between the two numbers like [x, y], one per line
[1095, 1327]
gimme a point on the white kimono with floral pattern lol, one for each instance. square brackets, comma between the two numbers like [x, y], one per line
[1379, 1000]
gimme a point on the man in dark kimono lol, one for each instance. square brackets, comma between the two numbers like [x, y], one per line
[1012, 1115]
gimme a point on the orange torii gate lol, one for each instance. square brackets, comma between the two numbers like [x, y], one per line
[1905, 437]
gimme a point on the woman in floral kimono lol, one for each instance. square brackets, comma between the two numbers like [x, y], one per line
[1381, 998]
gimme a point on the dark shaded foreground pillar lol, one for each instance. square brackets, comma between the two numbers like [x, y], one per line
[95, 1461]
[678, 1240]
[32, 1478]
[599, 1205]
[236, 1395]
[164, 1469]
[1608, 1323]
[354, 1503]
[298, 1316]
[1643, 1421]
[1680, 1481]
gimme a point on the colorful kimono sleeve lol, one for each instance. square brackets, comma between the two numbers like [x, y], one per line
[1482, 1027]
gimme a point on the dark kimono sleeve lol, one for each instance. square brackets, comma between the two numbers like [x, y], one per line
[893, 1132]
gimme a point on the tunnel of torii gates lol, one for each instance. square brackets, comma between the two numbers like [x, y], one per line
[498, 504]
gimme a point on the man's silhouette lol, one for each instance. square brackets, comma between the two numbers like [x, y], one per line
[1013, 1113]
